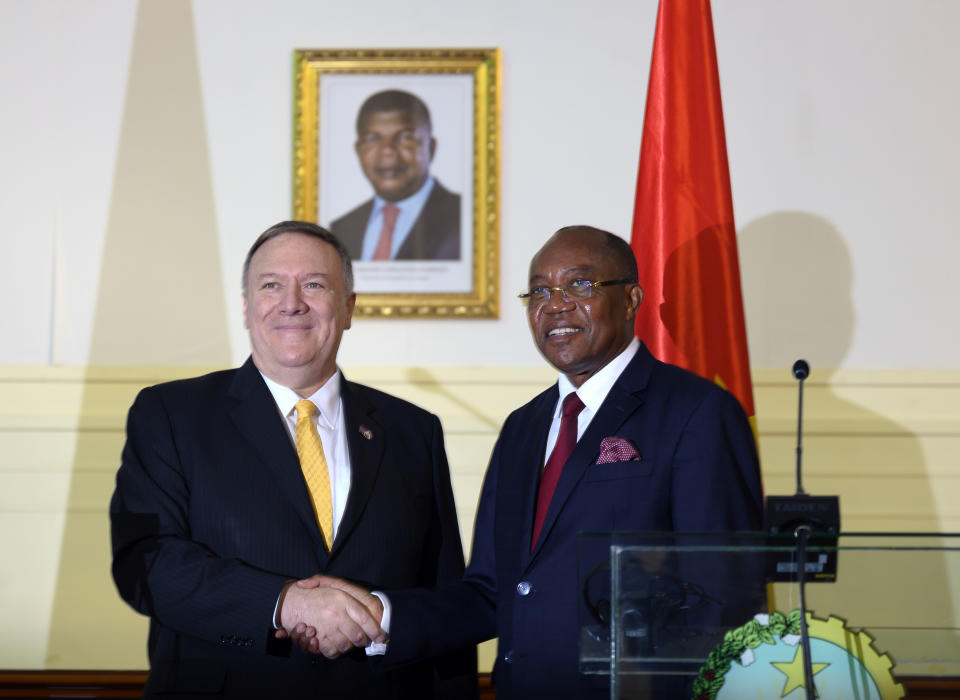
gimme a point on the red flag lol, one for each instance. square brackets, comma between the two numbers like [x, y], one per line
[683, 231]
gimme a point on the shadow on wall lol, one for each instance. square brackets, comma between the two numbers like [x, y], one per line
[160, 302]
[797, 277]
[426, 381]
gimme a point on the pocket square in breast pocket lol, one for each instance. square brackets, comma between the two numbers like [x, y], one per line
[617, 449]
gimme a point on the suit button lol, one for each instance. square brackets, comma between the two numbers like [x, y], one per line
[524, 588]
[508, 657]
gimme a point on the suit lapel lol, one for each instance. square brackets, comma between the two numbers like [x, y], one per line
[254, 412]
[418, 239]
[430, 228]
[528, 465]
[366, 440]
[626, 396]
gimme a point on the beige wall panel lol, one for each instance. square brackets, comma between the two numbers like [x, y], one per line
[29, 556]
[32, 491]
[43, 449]
[56, 492]
[85, 592]
[934, 455]
[468, 452]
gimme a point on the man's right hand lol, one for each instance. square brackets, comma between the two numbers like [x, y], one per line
[330, 616]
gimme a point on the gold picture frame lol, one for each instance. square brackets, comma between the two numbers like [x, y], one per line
[461, 89]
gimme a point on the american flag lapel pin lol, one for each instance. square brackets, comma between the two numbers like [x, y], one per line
[366, 432]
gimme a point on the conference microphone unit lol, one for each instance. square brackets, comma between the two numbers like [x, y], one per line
[818, 517]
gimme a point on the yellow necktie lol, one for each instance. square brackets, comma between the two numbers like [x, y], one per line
[314, 466]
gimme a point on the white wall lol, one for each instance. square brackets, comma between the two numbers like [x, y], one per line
[839, 114]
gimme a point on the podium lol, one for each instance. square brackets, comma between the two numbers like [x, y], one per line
[704, 616]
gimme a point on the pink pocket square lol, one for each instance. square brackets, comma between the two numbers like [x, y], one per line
[617, 449]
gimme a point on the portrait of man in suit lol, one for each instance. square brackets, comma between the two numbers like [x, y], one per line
[237, 483]
[622, 442]
[411, 215]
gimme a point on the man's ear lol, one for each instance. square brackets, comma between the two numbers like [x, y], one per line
[634, 299]
[351, 303]
[433, 148]
[243, 306]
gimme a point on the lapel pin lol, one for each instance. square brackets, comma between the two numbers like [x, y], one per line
[366, 432]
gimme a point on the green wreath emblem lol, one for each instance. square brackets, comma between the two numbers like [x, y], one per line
[735, 644]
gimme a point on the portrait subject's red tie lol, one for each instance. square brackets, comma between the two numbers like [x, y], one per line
[566, 441]
[385, 243]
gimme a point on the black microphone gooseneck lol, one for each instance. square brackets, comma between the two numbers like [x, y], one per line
[801, 370]
[802, 533]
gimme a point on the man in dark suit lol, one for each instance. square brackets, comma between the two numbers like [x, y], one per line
[213, 518]
[649, 447]
[412, 216]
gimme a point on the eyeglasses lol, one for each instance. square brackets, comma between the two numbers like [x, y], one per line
[575, 290]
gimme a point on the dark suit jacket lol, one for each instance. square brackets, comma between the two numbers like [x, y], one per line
[211, 517]
[698, 472]
[435, 234]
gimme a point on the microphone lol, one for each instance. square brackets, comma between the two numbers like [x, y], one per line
[819, 516]
[801, 370]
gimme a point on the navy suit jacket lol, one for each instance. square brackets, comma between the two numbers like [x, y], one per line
[698, 472]
[435, 234]
[211, 516]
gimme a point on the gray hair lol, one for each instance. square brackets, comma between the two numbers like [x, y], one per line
[307, 229]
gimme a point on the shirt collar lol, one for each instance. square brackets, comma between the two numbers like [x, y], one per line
[326, 398]
[593, 391]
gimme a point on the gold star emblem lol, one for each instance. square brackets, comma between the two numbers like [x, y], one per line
[793, 670]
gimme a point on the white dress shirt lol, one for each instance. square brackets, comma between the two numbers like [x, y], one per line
[333, 434]
[592, 393]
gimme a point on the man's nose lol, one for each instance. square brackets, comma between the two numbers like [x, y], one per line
[292, 300]
[557, 301]
[387, 147]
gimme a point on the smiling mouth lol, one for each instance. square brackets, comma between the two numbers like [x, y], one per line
[391, 173]
[563, 331]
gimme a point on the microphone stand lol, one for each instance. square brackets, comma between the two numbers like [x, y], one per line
[802, 533]
[809, 518]
[801, 370]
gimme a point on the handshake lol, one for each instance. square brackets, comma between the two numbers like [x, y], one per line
[329, 616]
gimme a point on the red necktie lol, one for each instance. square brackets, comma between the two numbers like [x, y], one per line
[385, 243]
[566, 441]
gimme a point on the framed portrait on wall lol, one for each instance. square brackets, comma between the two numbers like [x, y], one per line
[397, 152]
